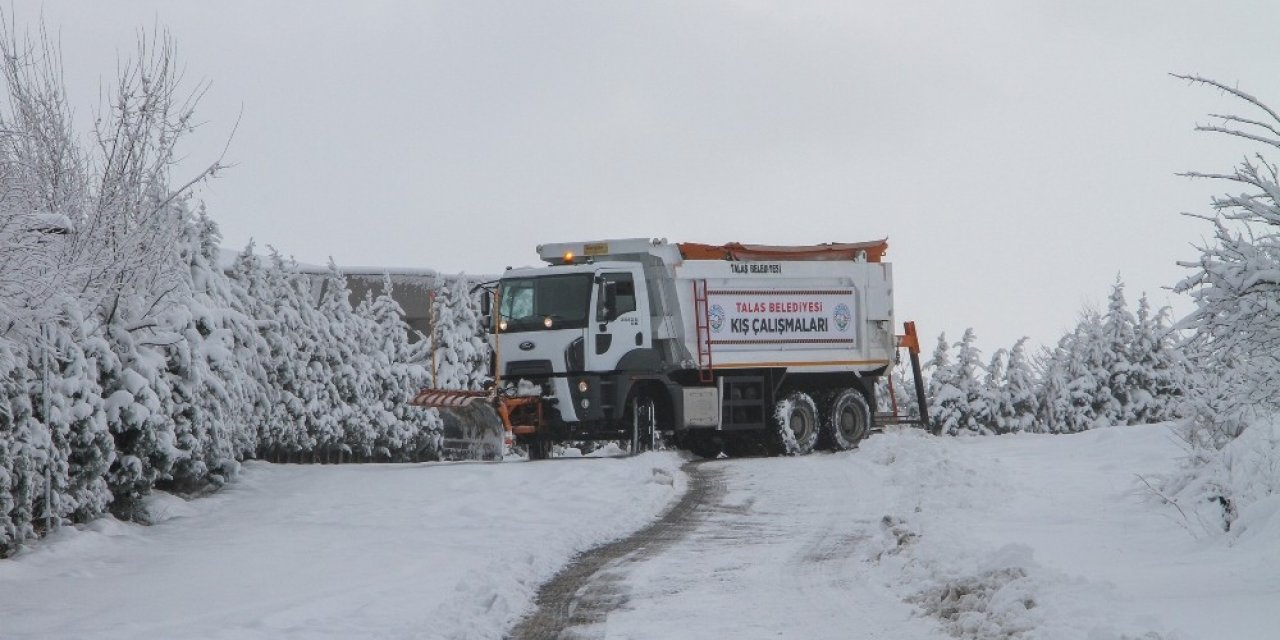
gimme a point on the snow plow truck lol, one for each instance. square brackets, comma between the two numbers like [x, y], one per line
[740, 349]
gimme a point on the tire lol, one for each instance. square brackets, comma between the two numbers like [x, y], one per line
[794, 424]
[847, 419]
[540, 449]
[642, 417]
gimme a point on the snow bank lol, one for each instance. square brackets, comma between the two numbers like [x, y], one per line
[1035, 537]
[1231, 489]
[425, 550]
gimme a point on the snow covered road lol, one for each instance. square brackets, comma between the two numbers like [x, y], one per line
[760, 548]
[915, 537]
[909, 537]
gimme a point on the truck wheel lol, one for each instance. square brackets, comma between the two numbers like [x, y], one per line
[642, 414]
[540, 449]
[795, 424]
[848, 419]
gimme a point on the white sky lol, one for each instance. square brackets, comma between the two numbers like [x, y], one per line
[1018, 155]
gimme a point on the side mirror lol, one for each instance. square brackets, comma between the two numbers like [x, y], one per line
[486, 303]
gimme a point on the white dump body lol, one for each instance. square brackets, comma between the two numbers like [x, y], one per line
[805, 316]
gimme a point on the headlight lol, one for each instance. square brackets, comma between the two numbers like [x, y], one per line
[502, 325]
[585, 403]
[582, 386]
[546, 322]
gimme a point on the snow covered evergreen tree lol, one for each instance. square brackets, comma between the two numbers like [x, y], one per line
[1117, 335]
[395, 378]
[19, 457]
[969, 374]
[1083, 366]
[942, 389]
[996, 412]
[1159, 374]
[1053, 399]
[1020, 389]
[77, 448]
[336, 373]
[461, 351]
[956, 395]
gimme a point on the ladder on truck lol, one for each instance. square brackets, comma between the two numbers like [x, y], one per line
[702, 321]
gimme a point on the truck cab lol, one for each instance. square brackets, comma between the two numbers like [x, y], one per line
[572, 330]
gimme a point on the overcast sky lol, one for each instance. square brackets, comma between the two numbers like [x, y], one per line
[1018, 155]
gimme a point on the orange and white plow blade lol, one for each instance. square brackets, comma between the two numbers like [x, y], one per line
[448, 399]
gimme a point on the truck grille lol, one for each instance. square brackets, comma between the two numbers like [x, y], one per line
[529, 368]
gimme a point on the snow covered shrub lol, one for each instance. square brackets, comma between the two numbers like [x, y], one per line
[1222, 481]
[128, 358]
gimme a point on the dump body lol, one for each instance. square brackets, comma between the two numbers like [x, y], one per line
[706, 343]
[803, 316]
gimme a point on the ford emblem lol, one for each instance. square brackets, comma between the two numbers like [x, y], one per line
[526, 345]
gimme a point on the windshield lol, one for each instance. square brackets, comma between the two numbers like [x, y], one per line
[528, 302]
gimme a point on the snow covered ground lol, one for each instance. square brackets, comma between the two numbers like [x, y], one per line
[1056, 537]
[908, 537]
[353, 551]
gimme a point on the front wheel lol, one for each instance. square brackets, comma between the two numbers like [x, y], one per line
[795, 424]
[644, 431]
[540, 448]
[848, 419]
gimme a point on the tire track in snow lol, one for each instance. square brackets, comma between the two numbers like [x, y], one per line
[581, 596]
[758, 548]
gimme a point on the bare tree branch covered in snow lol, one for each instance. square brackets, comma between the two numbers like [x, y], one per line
[1235, 327]
[135, 218]
[97, 220]
[43, 172]
[1236, 281]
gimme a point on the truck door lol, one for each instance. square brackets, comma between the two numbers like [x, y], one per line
[620, 318]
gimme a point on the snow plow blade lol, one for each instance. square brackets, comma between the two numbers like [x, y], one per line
[521, 415]
[448, 399]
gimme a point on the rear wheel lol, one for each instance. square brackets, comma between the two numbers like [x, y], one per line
[794, 424]
[847, 420]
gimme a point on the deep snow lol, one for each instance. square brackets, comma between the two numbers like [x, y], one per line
[1015, 536]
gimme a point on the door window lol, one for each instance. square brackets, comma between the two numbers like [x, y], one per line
[624, 296]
